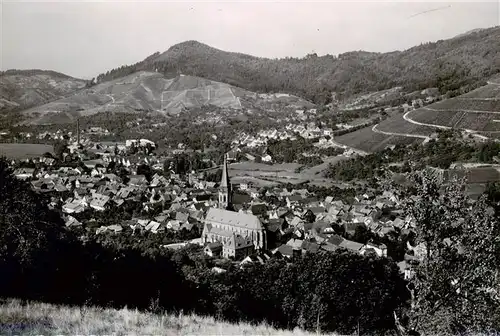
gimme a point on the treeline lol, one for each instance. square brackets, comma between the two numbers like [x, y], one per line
[312, 77]
[41, 260]
[439, 153]
[34, 72]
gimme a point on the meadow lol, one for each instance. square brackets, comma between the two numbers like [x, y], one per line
[369, 141]
[24, 151]
[47, 319]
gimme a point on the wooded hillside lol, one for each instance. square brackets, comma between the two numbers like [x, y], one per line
[446, 64]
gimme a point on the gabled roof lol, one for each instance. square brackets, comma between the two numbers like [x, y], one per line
[215, 246]
[351, 245]
[236, 219]
[296, 244]
[335, 240]
[237, 242]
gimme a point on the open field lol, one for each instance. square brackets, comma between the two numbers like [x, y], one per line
[487, 91]
[264, 174]
[369, 141]
[254, 166]
[24, 151]
[47, 319]
[397, 124]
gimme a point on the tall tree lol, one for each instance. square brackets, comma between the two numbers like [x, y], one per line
[457, 283]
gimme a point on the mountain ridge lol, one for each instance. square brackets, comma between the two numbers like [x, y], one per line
[21, 89]
[446, 64]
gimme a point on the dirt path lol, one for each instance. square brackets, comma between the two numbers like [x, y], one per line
[376, 130]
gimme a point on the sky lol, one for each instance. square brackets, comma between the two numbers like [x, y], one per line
[83, 39]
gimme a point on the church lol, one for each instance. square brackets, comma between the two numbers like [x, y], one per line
[239, 233]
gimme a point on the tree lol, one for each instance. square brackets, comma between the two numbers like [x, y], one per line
[60, 147]
[144, 169]
[36, 248]
[456, 285]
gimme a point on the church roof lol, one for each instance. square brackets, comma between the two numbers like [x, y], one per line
[237, 242]
[236, 219]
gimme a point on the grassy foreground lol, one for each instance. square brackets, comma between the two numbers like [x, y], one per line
[47, 319]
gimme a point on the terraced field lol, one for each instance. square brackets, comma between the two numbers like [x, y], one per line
[477, 111]
[472, 104]
[369, 141]
[149, 92]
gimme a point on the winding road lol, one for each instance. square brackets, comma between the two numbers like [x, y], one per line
[376, 130]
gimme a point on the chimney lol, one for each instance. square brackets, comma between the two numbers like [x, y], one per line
[78, 131]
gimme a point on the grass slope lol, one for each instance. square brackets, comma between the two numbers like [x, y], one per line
[47, 319]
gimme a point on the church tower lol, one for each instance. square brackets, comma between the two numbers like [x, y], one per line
[225, 191]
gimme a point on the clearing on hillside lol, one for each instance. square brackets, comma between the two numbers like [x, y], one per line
[367, 140]
[148, 92]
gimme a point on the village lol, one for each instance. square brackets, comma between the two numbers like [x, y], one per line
[243, 222]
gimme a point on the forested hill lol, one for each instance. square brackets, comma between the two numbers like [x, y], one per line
[447, 64]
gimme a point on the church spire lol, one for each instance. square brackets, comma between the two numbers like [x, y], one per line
[225, 187]
[224, 183]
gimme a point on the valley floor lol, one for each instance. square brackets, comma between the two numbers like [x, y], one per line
[47, 319]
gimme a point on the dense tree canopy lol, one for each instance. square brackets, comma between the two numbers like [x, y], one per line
[456, 286]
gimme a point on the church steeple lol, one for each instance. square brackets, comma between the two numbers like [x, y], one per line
[225, 191]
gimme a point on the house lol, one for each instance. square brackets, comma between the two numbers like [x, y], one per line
[309, 247]
[75, 206]
[72, 221]
[267, 158]
[351, 246]
[154, 227]
[174, 225]
[379, 249]
[284, 250]
[406, 268]
[350, 227]
[237, 247]
[24, 173]
[258, 209]
[137, 180]
[99, 202]
[260, 258]
[293, 200]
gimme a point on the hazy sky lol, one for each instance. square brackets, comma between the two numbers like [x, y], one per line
[83, 39]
